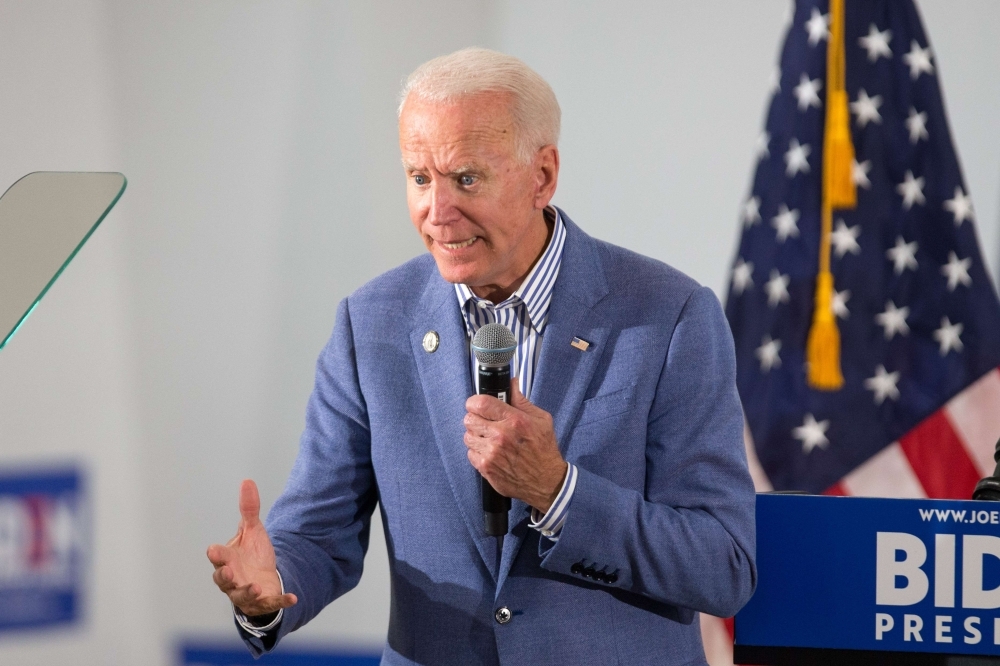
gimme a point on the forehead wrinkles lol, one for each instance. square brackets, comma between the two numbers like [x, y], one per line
[456, 132]
[468, 153]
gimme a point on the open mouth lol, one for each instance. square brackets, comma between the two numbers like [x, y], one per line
[460, 245]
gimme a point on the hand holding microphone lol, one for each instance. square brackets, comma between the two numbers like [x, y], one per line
[511, 442]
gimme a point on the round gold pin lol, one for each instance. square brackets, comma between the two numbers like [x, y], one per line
[431, 341]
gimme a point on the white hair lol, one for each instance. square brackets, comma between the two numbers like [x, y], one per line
[472, 71]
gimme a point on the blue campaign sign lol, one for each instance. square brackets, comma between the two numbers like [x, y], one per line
[42, 538]
[875, 574]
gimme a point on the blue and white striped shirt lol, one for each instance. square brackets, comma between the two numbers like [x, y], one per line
[525, 313]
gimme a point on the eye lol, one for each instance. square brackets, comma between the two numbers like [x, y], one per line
[466, 180]
[420, 179]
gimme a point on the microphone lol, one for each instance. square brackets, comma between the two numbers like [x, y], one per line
[989, 488]
[494, 346]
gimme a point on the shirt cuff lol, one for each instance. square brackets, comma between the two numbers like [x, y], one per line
[258, 631]
[551, 523]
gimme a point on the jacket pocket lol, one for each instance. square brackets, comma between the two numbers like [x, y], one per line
[606, 405]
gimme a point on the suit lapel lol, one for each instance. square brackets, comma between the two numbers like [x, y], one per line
[564, 372]
[447, 384]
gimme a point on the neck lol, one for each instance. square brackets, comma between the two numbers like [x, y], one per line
[499, 293]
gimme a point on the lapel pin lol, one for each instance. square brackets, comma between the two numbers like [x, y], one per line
[580, 344]
[431, 341]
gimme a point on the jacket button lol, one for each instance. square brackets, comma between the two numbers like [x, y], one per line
[601, 577]
[611, 578]
[576, 569]
[589, 572]
[502, 615]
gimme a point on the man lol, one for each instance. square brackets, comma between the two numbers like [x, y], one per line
[632, 504]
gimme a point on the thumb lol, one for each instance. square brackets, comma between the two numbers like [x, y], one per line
[249, 502]
[517, 399]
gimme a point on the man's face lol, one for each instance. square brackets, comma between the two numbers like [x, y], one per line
[477, 208]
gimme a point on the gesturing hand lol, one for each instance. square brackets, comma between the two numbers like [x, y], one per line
[514, 447]
[245, 568]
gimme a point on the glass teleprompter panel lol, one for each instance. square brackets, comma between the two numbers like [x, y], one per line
[45, 218]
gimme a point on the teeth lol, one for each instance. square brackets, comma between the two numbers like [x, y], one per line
[457, 246]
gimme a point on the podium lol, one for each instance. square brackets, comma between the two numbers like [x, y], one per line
[851, 580]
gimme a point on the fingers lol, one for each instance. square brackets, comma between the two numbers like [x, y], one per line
[487, 407]
[220, 555]
[478, 426]
[249, 502]
[224, 579]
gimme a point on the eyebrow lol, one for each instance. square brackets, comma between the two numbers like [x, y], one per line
[457, 171]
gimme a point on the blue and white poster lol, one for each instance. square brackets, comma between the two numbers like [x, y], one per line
[42, 546]
[893, 575]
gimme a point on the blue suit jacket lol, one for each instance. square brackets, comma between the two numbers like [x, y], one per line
[649, 413]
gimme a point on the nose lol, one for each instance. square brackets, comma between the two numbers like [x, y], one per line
[441, 204]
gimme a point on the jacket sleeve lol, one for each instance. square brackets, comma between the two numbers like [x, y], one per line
[320, 524]
[689, 539]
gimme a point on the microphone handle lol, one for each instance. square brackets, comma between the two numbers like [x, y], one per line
[495, 381]
[989, 488]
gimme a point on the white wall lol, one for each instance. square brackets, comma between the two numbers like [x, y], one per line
[67, 377]
[176, 354]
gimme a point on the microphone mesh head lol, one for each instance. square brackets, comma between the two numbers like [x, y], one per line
[494, 344]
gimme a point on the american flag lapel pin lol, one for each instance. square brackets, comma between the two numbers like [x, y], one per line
[580, 344]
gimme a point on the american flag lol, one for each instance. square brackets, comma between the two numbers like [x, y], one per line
[919, 412]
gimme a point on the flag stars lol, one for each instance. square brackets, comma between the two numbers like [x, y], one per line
[912, 190]
[751, 211]
[957, 271]
[845, 239]
[893, 320]
[903, 255]
[767, 354]
[883, 384]
[866, 108]
[777, 288]
[812, 434]
[786, 223]
[960, 207]
[818, 27]
[797, 158]
[807, 92]
[859, 173]
[918, 60]
[916, 124]
[742, 276]
[876, 43]
[839, 303]
[949, 336]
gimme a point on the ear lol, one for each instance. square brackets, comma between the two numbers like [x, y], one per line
[546, 170]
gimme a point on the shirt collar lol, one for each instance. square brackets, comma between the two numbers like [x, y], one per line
[535, 291]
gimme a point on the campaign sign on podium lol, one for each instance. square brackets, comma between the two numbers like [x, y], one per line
[874, 575]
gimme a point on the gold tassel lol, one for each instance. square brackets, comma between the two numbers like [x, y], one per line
[823, 344]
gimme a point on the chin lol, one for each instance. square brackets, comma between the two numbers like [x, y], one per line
[456, 274]
[458, 271]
